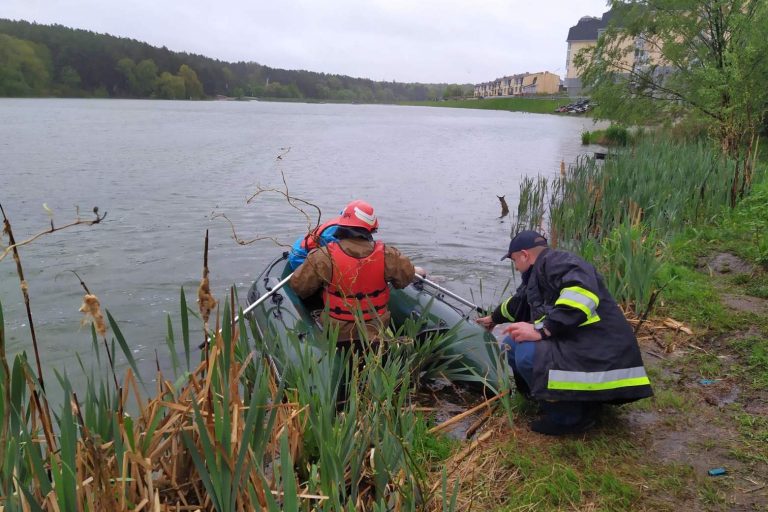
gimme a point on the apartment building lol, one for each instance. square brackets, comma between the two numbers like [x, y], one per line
[636, 52]
[582, 35]
[527, 84]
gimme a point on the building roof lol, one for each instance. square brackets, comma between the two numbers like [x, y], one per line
[587, 27]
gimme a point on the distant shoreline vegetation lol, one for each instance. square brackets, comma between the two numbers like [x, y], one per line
[535, 105]
[56, 61]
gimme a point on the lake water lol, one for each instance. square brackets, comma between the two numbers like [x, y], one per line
[162, 170]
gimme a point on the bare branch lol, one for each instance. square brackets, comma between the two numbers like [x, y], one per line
[239, 240]
[78, 221]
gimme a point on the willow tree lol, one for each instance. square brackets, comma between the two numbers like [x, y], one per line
[702, 60]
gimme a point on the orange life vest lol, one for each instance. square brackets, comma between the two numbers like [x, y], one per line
[357, 284]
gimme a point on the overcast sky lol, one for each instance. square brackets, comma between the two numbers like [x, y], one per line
[464, 41]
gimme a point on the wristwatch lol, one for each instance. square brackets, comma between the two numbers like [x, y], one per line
[539, 327]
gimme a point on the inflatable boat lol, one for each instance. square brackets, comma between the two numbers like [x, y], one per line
[431, 310]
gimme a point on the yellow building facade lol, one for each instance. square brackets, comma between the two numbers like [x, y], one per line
[522, 84]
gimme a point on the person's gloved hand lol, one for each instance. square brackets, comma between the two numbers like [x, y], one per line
[420, 271]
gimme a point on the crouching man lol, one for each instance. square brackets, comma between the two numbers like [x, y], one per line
[568, 343]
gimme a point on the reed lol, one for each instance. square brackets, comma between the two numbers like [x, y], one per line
[227, 433]
[618, 213]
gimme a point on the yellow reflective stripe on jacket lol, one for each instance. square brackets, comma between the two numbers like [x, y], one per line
[582, 299]
[597, 381]
[504, 312]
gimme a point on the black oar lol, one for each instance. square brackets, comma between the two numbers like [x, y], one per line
[450, 294]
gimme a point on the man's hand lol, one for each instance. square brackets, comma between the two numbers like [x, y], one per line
[420, 271]
[486, 322]
[522, 331]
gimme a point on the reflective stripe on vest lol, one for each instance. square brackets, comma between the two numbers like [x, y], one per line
[597, 381]
[504, 311]
[357, 284]
[582, 299]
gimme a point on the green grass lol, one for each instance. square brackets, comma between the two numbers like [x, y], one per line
[602, 472]
[429, 449]
[690, 296]
[533, 105]
[754, 351]
[614, 135]
[664, 399]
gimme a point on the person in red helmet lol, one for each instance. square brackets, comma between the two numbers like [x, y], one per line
[354, 275]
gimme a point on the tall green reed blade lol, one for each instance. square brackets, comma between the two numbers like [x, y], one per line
[259, 424]
[288, 479]
[63, 466]
[31, 500]
[5, 394]
[207, 465]
[185, 326]
[125, 348]
[448, 500]
[170, 342]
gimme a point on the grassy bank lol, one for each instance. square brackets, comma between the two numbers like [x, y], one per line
[614, 135]
[657, 220]
[533, 105]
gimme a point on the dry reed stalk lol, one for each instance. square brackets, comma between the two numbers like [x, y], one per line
[13, 247]
[483, 477]
[635, 214]
[444, 425]
[479, 423]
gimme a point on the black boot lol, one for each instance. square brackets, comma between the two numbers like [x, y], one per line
[563, 418]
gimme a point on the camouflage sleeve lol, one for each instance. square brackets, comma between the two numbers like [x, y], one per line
[398, 269]
[313, 275]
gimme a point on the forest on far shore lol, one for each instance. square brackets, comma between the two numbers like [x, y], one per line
[53, 60]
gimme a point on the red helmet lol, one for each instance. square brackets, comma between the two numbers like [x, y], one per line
[359, 214]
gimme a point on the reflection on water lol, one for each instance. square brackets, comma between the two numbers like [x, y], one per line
[161, 169]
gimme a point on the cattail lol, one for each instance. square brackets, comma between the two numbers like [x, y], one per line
[204, 298]
[91, 310]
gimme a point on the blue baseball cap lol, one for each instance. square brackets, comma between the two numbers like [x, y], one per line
[525, 240]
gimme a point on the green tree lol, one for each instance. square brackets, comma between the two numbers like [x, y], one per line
[127, 68]
[146, 77]
[170, 87]
[194, 89]
[69, 82]
[453, 91]
[705, 60]
[229, 78]
[24, 67]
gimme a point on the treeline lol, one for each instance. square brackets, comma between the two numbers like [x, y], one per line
[53, 60]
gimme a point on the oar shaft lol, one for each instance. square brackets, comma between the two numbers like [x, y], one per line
[266, 296]
[449, 293]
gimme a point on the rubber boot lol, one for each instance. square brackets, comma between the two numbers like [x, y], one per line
[563, 418]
